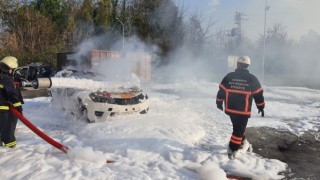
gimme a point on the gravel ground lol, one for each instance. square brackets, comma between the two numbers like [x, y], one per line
[301, 153]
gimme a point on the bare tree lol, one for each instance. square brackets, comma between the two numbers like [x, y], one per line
[196, 34]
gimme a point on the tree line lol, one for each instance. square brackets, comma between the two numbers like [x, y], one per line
[35, 30]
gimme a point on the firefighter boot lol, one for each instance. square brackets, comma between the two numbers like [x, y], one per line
[232, 154]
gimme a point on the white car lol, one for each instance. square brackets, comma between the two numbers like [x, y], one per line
[100, 104]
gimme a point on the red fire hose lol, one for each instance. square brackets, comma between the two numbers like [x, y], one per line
[45, 137]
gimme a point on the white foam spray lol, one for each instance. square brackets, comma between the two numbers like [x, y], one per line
[212, 171]
[77, 83]
[132, 83]
[87, 154]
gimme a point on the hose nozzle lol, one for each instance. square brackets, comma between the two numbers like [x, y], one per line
[39, 83]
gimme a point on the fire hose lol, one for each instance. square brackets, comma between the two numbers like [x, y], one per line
[45, 137]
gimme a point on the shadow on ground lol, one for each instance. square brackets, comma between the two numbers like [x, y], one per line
[301, 153]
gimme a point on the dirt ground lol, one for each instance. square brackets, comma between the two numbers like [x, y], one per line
[302, 154]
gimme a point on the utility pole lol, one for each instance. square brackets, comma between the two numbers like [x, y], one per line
[122, 34]
[266, 8]
[238, 18]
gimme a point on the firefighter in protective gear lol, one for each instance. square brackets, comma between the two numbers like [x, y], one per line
[9, 96]
[237, 91]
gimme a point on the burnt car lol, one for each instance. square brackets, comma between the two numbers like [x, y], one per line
[98, 105]
[32, 71]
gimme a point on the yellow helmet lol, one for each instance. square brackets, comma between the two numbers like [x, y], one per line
[10, 61]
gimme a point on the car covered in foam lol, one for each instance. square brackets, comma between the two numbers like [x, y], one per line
[99, 105]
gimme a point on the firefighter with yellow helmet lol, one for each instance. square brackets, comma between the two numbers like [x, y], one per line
[9, 96]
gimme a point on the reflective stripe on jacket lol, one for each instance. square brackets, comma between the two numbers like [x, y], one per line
[4, 107]
[8, 93]
[237, 90]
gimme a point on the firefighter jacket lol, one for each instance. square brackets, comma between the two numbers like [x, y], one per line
[9, 95]
[237, 90]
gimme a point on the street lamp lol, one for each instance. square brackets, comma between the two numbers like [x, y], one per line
[266, 8]
[122, 34]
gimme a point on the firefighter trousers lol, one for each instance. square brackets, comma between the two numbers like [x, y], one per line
[8, 125]
[239, 124]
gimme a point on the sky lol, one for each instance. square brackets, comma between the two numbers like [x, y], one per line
[183, 136]
[296, 15]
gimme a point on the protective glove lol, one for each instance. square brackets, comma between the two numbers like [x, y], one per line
[219, 106]
[260, 109]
